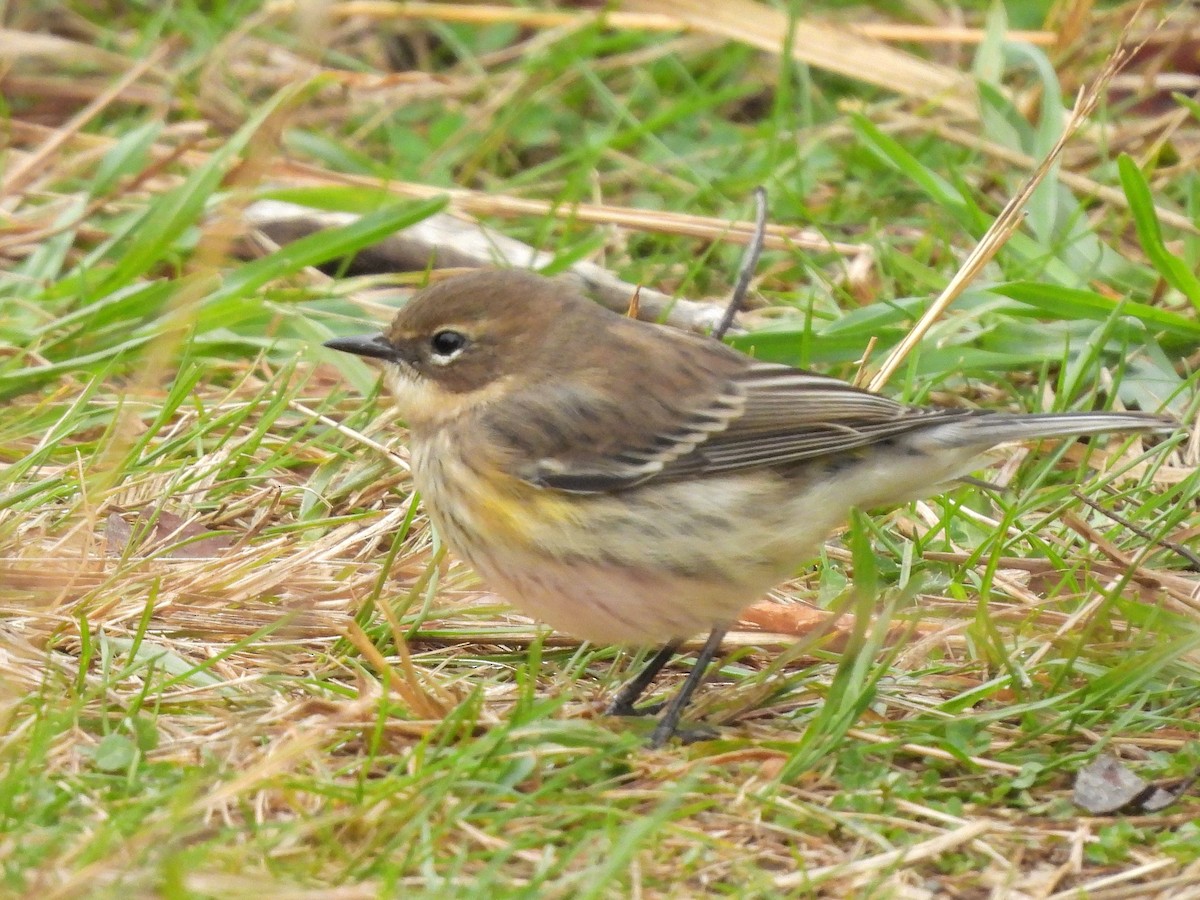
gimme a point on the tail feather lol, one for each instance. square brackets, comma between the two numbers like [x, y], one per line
[991, 429]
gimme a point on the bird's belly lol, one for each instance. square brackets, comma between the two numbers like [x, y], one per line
[610, 604]
[637, 567]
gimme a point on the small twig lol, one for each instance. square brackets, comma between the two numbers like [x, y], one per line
[607, 17]
[749, 262]
[932, 848]
[1192, 558]
[358, 436]
[860, 377]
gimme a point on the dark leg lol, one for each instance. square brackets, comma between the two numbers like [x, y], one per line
[622, 704]
[666, 726]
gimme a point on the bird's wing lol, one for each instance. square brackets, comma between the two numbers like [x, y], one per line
[791, 415]
[724, 413]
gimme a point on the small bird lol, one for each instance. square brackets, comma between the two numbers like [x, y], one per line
[631, 483]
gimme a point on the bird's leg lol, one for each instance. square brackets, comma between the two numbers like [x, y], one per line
[622, 704]
[669, 722]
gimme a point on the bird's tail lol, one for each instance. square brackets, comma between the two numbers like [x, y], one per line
[990, 429]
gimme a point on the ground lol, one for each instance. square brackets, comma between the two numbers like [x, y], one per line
[234, 658]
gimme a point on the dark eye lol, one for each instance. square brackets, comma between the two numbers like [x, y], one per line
[448, 343]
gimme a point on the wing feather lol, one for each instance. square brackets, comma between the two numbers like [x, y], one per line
[715, 411]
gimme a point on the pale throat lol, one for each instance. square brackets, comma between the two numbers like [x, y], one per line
[425, 404]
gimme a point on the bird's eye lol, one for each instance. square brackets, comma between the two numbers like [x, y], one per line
[447, 344]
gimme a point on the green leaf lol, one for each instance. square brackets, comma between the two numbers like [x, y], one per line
[1074, 303]
[164, 221]
[127, 157]
[1145, 220]
[334, 198]
[940, 191]
[114, 753]
[1188, 103]
[318, 248]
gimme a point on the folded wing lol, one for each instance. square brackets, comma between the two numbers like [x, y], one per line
[719, 412]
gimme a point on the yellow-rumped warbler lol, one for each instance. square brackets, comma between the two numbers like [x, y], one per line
[631, 483]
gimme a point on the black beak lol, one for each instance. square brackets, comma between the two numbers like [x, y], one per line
[375, 346]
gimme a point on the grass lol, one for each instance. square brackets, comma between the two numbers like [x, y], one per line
[234, 659]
